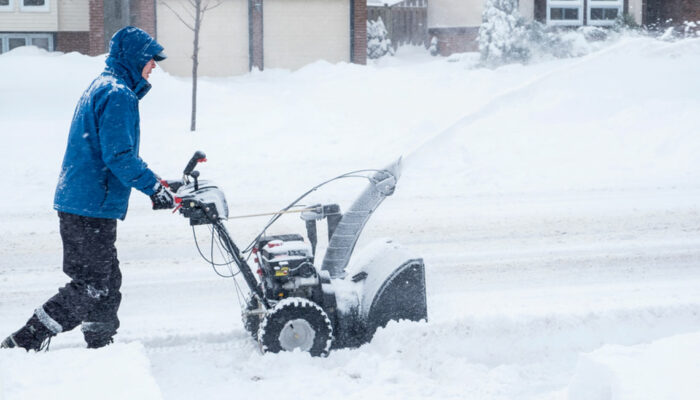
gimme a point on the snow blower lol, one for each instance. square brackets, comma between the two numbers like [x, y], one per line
[295, 303]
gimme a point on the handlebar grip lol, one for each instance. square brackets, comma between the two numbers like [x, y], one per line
[198, 156]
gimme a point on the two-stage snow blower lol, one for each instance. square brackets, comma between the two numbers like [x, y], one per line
[294, 303]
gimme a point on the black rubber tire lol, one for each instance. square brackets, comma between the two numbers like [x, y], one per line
[290, 309]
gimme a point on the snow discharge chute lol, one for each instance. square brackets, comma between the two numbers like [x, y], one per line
[345, 235]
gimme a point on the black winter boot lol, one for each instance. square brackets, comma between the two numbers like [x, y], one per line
[32, 336]
[96, 341]
[99, 334]
[99, 343]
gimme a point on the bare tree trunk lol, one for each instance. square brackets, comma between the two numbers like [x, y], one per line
[194, 23]
[195, 62]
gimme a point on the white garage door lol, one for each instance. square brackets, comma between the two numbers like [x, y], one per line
[223, 41]
[299, 32]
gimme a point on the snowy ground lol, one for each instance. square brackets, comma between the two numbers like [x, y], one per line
[555, 205]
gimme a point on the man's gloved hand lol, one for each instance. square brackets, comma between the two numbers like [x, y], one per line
[162, 199]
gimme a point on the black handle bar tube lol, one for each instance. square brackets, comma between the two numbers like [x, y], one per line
[242, 265]
[198, 155]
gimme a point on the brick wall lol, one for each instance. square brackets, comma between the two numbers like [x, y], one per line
[143, 15]
[96, 41]
[455, 40]
[73, 41]
[660, 11]
[359, 32]
[676, 10]
[692, 10]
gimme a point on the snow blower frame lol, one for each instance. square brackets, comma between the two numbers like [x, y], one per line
[295, 305]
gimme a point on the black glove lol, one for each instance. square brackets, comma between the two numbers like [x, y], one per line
[162, 199]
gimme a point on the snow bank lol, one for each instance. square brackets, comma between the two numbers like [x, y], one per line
[664, 369]
[591, 123]
[120, 371]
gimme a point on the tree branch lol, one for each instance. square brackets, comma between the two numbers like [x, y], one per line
[208, 7]
[177, 15]
[188, 11]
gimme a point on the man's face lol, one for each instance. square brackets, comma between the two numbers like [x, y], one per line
[147, 69]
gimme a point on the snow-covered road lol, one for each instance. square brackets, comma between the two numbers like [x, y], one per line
[517, 290]
[538, 251]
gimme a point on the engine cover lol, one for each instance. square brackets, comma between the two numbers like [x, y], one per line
[286, 264]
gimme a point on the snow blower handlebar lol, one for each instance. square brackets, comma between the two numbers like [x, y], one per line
[198, 157]
[205, 204]
[175, 185]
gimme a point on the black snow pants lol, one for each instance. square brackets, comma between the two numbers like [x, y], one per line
[92, 296]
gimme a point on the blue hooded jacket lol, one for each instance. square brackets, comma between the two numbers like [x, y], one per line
[102, 161]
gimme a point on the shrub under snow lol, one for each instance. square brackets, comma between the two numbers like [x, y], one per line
[502, 35]
[433, 49]
[505, 37]
[378, 42]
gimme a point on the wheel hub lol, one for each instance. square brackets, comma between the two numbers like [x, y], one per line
[297, 334]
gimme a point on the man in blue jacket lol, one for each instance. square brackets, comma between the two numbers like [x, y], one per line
[100, 167]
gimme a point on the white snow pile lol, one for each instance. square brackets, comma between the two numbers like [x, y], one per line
[688, 29]
[118, 372]
[663, 369]
[579, 125]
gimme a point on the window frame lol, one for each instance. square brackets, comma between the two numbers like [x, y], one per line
[570, 4]
[45, 8]
[8, 8]
[28, 38]
[48, 36]
[11, 36]
[609, 4]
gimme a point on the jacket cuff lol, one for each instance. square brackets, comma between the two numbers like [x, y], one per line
[150, 185]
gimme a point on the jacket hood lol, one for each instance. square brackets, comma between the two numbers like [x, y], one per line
[129, 51]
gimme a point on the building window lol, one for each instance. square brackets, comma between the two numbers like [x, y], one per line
[6, 5]
[42, 42]
[15, 42]
[9, 41]
[604, 12]
[35, 5]
[565, 12]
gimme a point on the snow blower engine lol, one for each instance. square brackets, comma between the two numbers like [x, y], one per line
[295, 302]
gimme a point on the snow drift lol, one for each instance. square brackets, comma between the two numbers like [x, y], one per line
[663, 369]
[116, 372]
